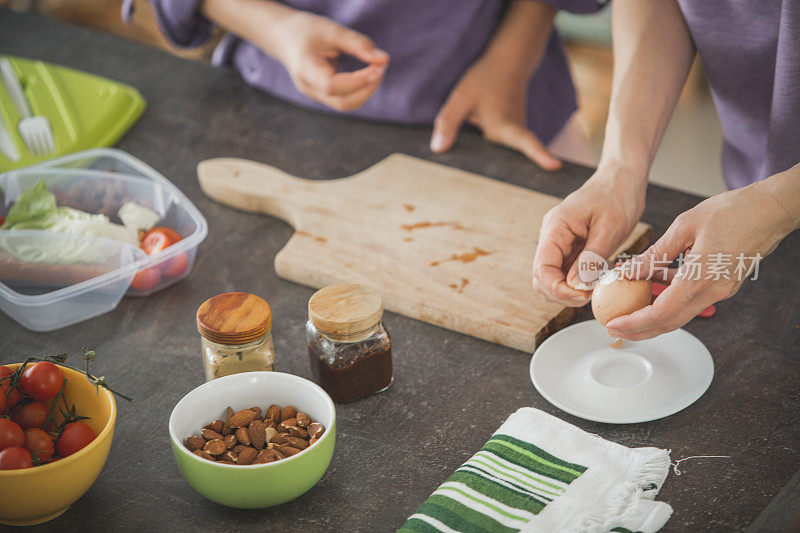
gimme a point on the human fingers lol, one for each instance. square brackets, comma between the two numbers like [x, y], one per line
[523, 140]
[448, 122]
[344, 83]
[360, 46]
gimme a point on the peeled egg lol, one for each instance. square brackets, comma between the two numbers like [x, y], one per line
[615, 296]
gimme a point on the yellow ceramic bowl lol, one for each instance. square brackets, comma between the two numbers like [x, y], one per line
[38, 494]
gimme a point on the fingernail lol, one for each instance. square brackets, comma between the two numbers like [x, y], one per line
[614, 333]
[437, 142]
[375, 75]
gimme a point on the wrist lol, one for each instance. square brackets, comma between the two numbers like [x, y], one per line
[782, 193]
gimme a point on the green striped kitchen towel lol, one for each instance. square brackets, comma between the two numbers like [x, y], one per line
[539, 473]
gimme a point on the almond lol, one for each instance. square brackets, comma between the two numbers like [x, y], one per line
[280, 438]
[257, 434]
[295, 431]
[195, 442]
[257, 411]
[303, 420]
[312, 440]
[274, 413]
[204, 454]
[215, 447]
[278, 455]
[242, 435]
[288, 412]
[226, 428]
[269, 434]
[285, 424]
[315, 430]
[216, 425]
[288, 451]
[297, 442]
[264, 456]
[247, 456]
[239, 447]
[230, 456]
[210, 434]
[270, 423]
[242, 418]
[230, 441]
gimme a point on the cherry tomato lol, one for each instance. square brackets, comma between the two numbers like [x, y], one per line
[176, 267]
[10, 434]
[15, 458]
[146, 279]
[159, 238]
[75, 437]
[2, 220]
[42, 380]
[16, 395]
[39, 444]
[31, 415]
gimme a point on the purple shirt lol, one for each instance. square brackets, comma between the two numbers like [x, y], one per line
[751, 52]
[431, 44]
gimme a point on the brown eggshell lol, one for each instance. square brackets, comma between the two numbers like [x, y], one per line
[620, 297]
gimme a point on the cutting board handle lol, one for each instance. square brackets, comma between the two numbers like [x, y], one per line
[258, 188]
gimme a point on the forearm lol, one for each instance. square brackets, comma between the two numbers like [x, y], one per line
[783, 190]
[257, 21]
[521, 38]
[653, 52]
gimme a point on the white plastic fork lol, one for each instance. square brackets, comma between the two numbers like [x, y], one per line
[34, 130]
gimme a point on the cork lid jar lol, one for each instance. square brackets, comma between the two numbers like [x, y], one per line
[346, 310]
[236, 331]
[234, 318]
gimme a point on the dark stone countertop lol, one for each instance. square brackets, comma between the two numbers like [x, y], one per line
[450, 391]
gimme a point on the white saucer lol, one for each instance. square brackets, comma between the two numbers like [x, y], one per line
[579, 372]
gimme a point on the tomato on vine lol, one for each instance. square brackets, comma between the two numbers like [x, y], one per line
[39, 444]
[41, 380]
[11, 434]
[31, 415]
[15, 458]
[75, 437]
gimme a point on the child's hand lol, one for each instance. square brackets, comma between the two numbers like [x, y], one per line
[494, 100]
[311, 44]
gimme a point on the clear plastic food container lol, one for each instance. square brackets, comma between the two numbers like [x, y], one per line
[43, 290]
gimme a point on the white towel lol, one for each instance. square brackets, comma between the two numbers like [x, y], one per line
[540, 474]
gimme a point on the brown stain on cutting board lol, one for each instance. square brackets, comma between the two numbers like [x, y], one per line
[459, 288]
[421, 225]
[409, 207]
[307, 234]
[408, 239]
[468, 257]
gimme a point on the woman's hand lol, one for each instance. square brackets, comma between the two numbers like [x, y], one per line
[598, 218]
[723, 237]
[311, 46]
[495, 101]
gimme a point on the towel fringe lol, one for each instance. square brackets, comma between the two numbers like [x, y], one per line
[679, 461]
[650, 473]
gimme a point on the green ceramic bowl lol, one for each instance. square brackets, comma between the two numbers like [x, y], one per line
[253, 486]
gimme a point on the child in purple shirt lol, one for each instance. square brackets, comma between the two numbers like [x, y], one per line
[495, 64]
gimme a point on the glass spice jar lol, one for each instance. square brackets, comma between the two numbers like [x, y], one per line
[236, 334]
[349, 349]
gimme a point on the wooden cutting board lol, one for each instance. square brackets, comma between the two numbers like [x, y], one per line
[441, 245]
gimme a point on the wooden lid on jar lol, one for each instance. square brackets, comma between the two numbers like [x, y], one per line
[234, 318]
[345, 308]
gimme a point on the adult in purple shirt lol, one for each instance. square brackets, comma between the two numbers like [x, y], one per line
[493, 63]
[751, 51]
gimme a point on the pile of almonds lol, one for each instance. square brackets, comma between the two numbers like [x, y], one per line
[246, 437]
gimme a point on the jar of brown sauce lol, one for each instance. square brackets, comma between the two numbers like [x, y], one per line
[348, 347]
